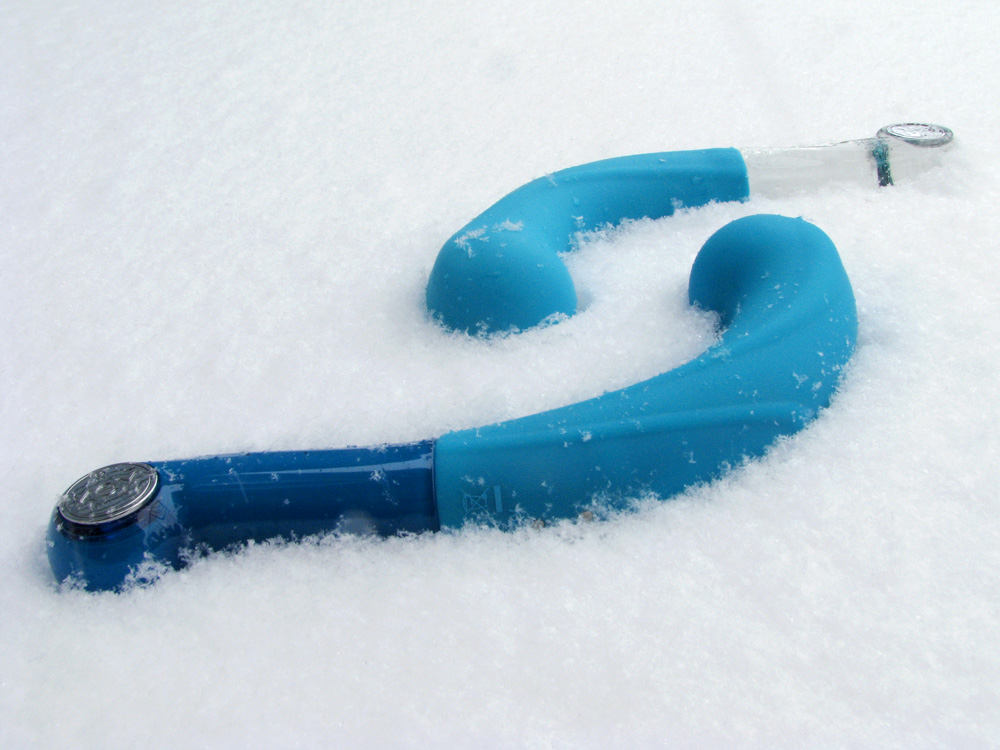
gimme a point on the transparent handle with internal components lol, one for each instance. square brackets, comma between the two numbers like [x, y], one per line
[897, 153]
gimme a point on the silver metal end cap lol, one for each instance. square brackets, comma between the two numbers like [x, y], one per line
[918, 134]
[110, 493]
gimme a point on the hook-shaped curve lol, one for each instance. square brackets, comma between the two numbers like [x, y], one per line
[784, 299]
[502, 270]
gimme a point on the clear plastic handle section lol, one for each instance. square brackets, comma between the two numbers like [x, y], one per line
[897, 154]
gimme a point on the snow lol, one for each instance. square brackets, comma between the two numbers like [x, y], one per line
[216, 222]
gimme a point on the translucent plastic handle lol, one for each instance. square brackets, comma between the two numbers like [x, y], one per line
[897, 153]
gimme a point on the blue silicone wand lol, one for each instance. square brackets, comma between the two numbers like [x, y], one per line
[777, 284]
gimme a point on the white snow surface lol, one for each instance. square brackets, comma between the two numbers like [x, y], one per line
[216, 223]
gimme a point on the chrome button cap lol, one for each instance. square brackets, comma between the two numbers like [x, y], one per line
[109, 494]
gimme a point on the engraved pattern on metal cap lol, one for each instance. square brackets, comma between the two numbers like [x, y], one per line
[918, 134]
[109, 494]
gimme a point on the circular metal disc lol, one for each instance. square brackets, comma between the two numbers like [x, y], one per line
[918, 134]
[109, 494]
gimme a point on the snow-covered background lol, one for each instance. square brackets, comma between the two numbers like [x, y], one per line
[216, 221]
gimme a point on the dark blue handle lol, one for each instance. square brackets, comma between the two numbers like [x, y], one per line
[216, 502]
